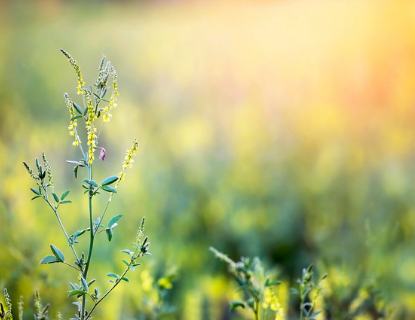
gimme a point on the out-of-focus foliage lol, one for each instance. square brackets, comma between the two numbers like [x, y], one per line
[278, 129]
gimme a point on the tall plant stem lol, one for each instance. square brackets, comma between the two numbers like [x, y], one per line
[91, 240]
[256, 311]
[301, 307]
[91, 220]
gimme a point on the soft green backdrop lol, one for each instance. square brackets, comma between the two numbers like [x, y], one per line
[282, 129]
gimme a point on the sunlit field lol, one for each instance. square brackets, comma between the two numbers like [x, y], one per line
[283, 130]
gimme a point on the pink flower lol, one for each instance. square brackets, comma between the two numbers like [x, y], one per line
[102, 154]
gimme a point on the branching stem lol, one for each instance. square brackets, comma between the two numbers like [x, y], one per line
[62, 227]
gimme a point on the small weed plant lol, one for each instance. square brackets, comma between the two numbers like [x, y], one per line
[258, 285]
[95, 113]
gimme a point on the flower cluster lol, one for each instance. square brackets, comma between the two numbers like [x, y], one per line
[73, 122]
[271, 301]
[91, 130]
[72, 61]
[128, 163]
[140, 232]
[48, 170]
[30, 171]
[113, 100]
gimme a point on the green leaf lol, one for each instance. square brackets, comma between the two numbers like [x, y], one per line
[76, 293]
[35, 191]
[136, 264]
[91, 282]
[251, 303]
[74, 286]
[236, 304]
[91, 182]
[78, 233]
[77, 108]
[294, 291]
[113, 275]
[126, 263]
[127, 251]
[55, 197]
[125, 279]
[271, 283]
[75, 117]
[65, 201]
[49, 259]
[109, 180]
[84, 284]
[35, 197]
[315, 313]
[109, 234]
[75, 171]
[63, 196]
[108, 189]
[58, 254]
[114, 220]
[74, 162]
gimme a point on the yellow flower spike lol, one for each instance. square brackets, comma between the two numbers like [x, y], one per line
[91, 130]
[73, 63]
[113, 99]
[72, 123]
[128, 161]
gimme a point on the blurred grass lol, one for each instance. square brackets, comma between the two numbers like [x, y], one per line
[283, 129]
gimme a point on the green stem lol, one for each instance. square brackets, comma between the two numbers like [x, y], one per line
[92, 234]
[71, 266]
[91, 239]
[100, 129]
[301, 307]
[103, 214]
[62, 227]
[256, 309]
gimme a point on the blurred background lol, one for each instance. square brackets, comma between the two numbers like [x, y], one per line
[278, 129]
